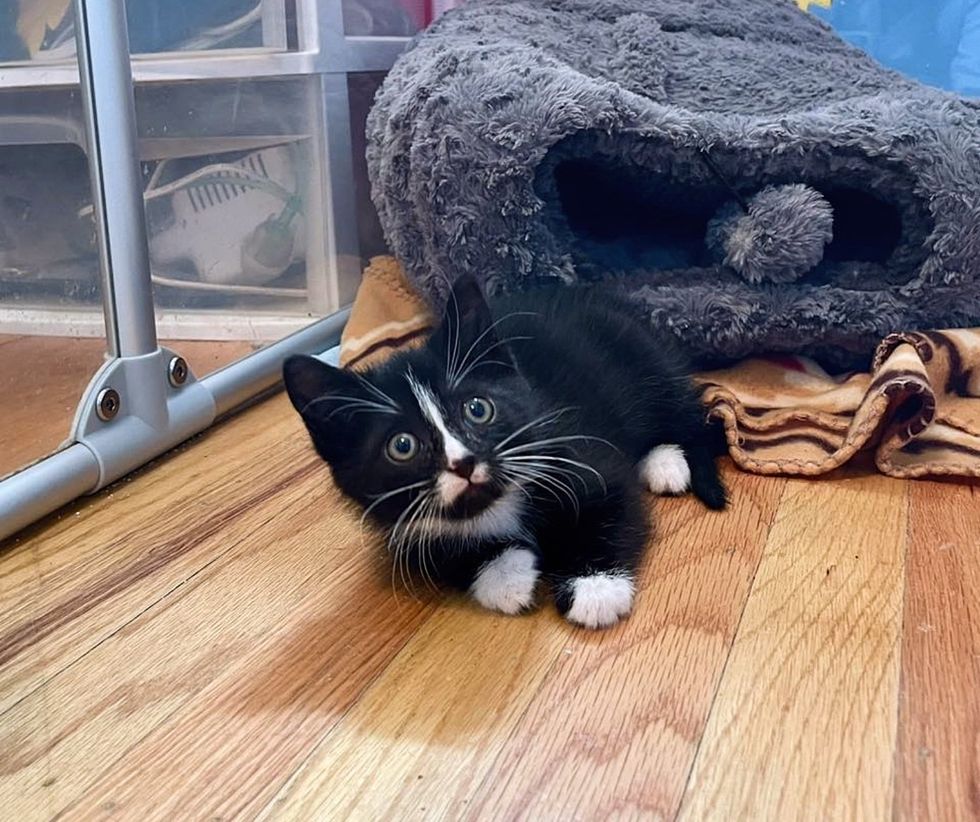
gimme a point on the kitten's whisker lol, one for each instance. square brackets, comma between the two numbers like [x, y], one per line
[408, 487]
[394, 538]
[452, 339]
[394, 567]
[379, 499]
[492, 326]
[512, 479]
[584, 465]
[332, 397]
[381, 395]
[404, 571]
[458, 379]
[426, 543]
[557, 478]
[397, 543]
[355, 409]
[425, 549]
[527, 446]
[547, 482]
[557, 469]
[532, 477]
[411, 531]
[377, 406]
[479, 363]
[545, 419]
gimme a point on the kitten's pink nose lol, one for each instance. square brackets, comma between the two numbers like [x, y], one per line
[463, 467]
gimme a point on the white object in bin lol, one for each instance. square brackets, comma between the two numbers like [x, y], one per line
[217, 219]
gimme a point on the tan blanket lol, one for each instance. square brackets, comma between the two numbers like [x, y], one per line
[918, 411]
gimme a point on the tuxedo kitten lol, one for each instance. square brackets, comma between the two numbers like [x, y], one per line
[516, 444]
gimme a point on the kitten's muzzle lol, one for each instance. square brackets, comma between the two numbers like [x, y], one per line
[466, 483]
[464, 467]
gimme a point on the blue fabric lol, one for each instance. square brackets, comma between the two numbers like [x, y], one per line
[960, 23]
[935, 42]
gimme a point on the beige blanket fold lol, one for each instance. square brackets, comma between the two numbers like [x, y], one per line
[387, 314]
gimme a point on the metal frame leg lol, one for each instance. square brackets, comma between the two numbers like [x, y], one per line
[144, 400]
[117, 190]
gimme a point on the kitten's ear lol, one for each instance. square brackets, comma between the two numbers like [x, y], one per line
[468, 304]
[309, 380]
[467, 335]
[328, 399]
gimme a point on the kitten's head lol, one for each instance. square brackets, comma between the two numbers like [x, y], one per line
[419, 438]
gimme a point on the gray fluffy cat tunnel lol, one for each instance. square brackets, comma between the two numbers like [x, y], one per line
[752, 182]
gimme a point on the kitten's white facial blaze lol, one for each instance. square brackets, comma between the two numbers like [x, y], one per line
[448, 484]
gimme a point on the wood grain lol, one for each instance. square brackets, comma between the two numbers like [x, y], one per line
[939, 740]
[429, 727]
[42, 380]
[84, 574]
[804, 723]
[614, 730]
[248, 696]
[291, 558]
[214, 639]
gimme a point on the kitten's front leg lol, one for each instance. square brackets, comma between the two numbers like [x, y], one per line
[506, 583]
[593, 560]
[673, 469]
[501, 577]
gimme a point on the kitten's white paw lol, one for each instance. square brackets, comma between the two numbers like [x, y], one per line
[665, 470]
[507, 583]
[600, 600]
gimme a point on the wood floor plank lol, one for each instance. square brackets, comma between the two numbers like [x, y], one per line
[804, 722]
[429, 726]
[42, 379]
[613, 732]
[939, 732]
[72, 581]
[295, 572]
[214, 640]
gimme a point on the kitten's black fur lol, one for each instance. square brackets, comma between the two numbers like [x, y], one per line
[581, 393]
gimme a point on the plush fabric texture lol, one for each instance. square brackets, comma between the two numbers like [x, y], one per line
[917, 410]
[777, 236]
[588, 139]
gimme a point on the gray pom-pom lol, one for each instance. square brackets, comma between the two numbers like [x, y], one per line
[779, 239]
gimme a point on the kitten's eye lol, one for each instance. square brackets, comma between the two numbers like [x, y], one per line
[402, 447]
[478, 410]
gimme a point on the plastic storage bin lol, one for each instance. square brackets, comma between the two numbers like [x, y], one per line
[258, 217]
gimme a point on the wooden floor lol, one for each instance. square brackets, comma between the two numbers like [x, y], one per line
[215, 639]
[42, 380]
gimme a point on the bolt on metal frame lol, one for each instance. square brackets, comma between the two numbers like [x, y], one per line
[145, 400]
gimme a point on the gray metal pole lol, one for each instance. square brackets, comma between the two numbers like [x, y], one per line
[117, 190]
[52, 482]
[239, 382]
[45, 486]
